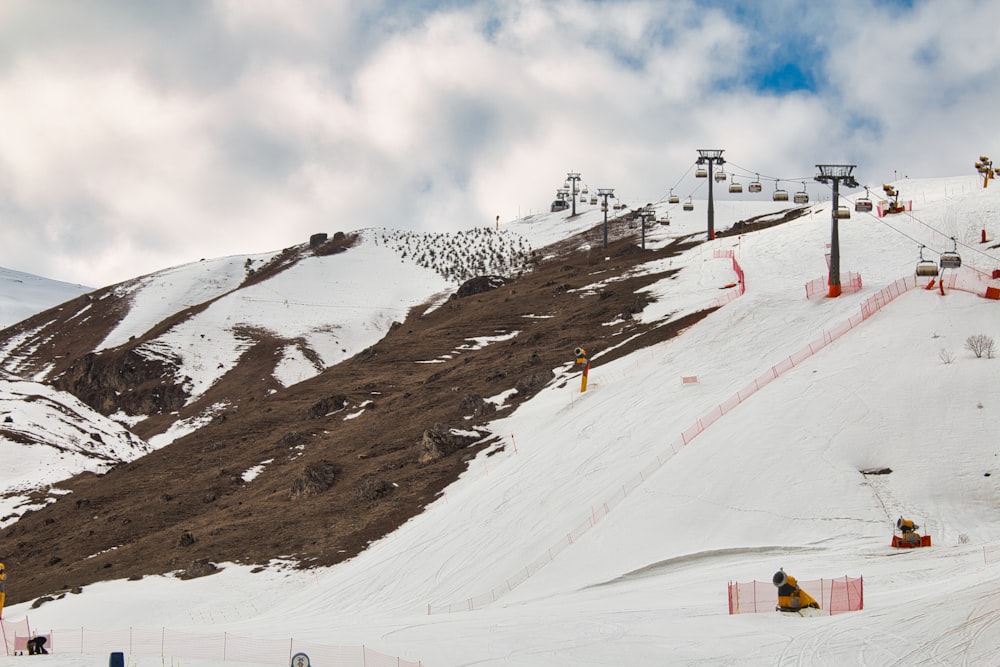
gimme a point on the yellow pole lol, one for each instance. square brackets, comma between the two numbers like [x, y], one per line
[583, 378]
[3, 587]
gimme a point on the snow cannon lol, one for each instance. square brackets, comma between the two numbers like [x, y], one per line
[790, 596]
[909, 537]
[581, 358]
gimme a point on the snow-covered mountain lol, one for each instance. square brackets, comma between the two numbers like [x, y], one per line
[603, 527]
[23, 294]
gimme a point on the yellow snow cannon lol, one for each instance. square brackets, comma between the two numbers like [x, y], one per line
[790, 596]
[909, 537]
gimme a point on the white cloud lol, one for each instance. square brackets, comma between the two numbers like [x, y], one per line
[171, 133]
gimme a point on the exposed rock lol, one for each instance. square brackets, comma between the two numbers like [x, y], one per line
[441, 441]
[314, 479]
[532, 383]
[480, 284]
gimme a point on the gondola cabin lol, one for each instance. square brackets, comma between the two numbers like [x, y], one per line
[863, 205]
[720, 176]
[843, 213]
[701, 172]
[673, 199]
[735, 187]
[801, 197]
[593, 200]
[780, 195]
[688, 205]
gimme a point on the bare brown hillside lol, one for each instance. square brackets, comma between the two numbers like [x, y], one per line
[330, 486]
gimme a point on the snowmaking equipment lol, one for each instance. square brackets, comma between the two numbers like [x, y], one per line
[791, 598]
[909, 538]
[894, 205]
[581, 358]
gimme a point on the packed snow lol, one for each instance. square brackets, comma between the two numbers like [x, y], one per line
[605, 527]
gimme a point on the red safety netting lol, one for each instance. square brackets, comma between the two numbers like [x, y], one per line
[11, 631]
[835, 596]
[598, 511]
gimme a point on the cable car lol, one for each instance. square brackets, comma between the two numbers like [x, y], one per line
[734, 186]
[701, 172]
[674, 199]
[926, 267]
[843, 213]
[720, 176]
[688, 205]
[779, 195]
[951, 260]
[802, 197]
[755, 185]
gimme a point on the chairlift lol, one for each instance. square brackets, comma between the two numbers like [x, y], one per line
[734, 186]
[674, 199]
[701, 172]
[951, 260]
[688, 205]
[779, 194]
[926, 267]
[863, 204]
[720, 175]
[755, 185]
[802, 197]
[843, 213]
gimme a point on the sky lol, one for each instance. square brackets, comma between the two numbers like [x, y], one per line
[139, 136]
[605, 526]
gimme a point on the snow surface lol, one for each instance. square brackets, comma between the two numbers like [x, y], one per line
[23, 295]
[487, 575]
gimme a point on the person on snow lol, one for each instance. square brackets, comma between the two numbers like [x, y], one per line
[790, 596]
[36, 646]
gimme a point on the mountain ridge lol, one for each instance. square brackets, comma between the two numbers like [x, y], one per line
[416, 401]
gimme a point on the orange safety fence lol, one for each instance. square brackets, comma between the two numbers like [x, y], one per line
[224, 647]
[835, 596]
[818, 286]
[598, 511]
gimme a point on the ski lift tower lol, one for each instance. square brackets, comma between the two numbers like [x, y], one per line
[710, 157]
[605, 193]
[573, 177]
[835, 173]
